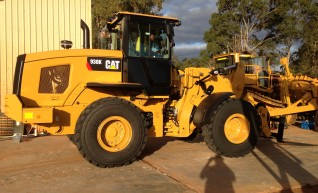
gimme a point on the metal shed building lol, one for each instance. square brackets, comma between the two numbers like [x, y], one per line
[29, 26]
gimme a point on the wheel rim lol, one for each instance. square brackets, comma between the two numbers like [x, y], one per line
[114, 134]
[237, 128]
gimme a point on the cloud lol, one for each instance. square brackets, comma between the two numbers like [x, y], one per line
[189, 50]
[195, 16]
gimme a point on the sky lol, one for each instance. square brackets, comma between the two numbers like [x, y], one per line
[195, 16]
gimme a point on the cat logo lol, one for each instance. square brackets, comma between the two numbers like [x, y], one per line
[112, 64]
[103, 64]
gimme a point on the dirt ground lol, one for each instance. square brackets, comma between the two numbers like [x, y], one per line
[53, 164]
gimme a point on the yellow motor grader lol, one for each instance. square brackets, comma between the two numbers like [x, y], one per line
[111, 100]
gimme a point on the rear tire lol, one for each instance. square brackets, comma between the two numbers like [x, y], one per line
[233, 130]
[111, 132]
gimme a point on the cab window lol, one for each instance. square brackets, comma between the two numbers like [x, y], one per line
[148, 40]
[224, 62]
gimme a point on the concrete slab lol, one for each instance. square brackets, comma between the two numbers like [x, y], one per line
[53, 164]
[272, 166]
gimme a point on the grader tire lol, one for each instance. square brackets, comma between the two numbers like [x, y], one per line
[111, 132]
[233, 130]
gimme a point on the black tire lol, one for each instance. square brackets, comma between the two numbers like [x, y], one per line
[215, 135]
[98, 124]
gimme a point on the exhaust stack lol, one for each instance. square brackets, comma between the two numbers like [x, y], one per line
[86, 38]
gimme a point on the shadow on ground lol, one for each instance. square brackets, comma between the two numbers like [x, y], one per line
[219, 177]
[155, 144]
[288, 165]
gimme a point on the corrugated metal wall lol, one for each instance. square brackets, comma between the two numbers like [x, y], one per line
[28, 26]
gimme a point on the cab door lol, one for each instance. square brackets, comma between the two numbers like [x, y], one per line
[148, 55]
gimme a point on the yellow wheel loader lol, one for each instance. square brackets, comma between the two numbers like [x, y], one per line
[111, 100]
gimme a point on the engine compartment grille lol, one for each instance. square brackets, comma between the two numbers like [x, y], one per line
[54, 79]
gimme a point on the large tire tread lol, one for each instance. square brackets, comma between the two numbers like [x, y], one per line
[208, 134]
[209, 137]
[82, 118]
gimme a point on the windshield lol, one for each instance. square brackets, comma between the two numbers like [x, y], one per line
[224, 62]
[148, 40]
[255, 65]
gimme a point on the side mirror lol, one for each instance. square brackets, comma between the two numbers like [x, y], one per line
[170, 34]
[169, 29]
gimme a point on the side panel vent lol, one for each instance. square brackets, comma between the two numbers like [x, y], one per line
[54, 79]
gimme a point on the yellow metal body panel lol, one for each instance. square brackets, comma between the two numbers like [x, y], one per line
[155, 106]
[65, 117]
[251, 79]
[13, 107]
[189, 99]
[78, 74]
[311, 106]
[64, 120]
[37, 115]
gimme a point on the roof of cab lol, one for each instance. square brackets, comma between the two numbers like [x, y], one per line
[233, 54]
[147, 15]
[121, 14]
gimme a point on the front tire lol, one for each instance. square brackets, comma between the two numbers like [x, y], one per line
[233, 130]
[111, 132]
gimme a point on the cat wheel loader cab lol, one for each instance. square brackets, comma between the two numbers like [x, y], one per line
[147, 43]
[112, 99]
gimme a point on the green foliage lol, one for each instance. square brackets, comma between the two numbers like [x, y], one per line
[306, 61]
[286, 20]
[257, 26]
[237, 25]
[204, 60]
[104, 9]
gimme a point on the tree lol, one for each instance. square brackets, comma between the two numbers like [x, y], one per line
[104, 9]
[287, 21]
[306, 61]
[257, 26]
[204, 60]
[238, 26]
